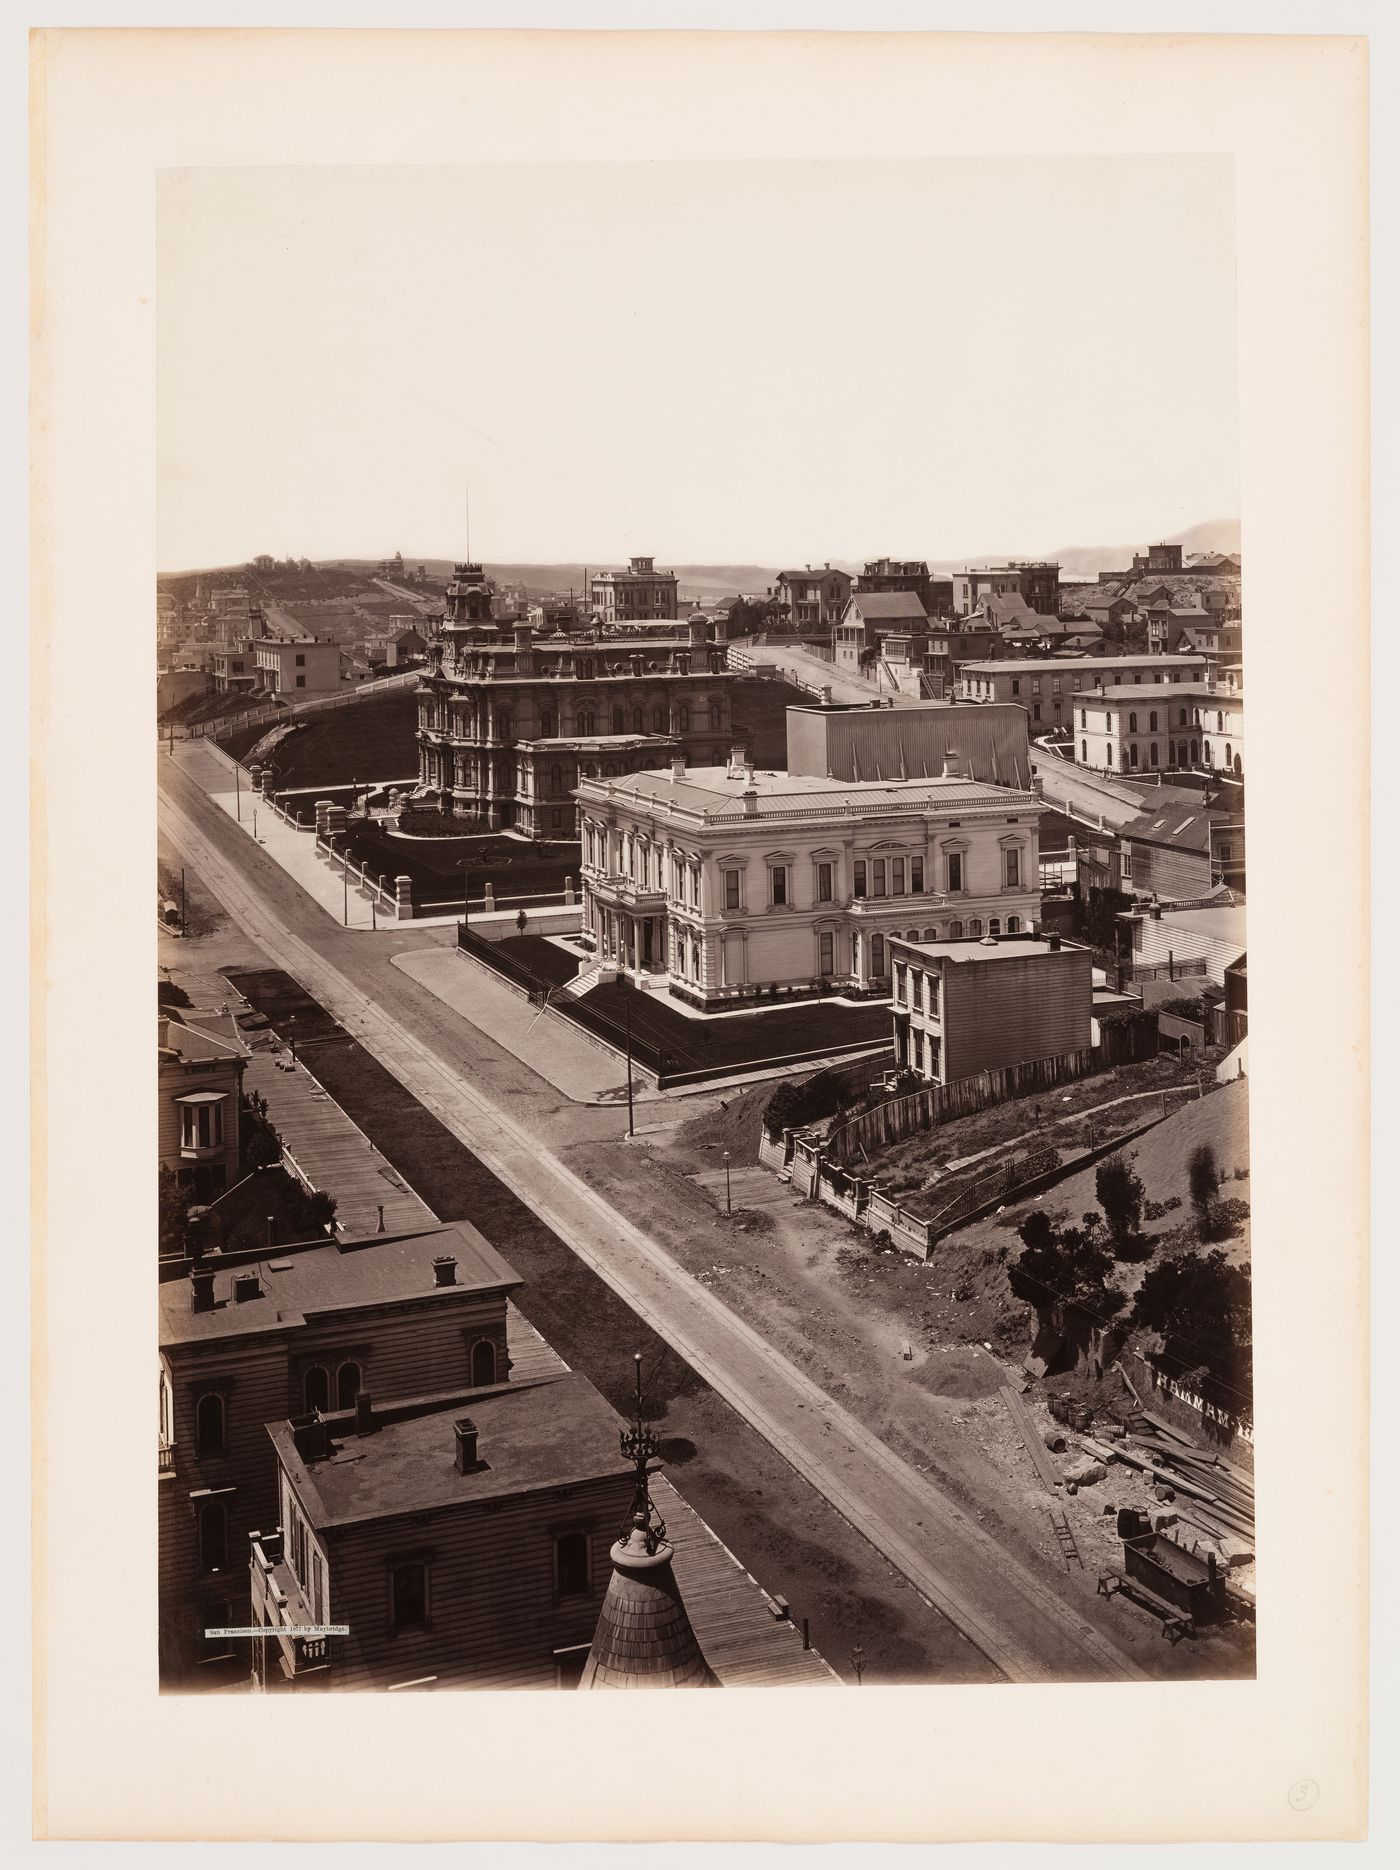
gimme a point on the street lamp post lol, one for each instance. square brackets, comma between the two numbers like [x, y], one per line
[466, 894]
[292, 1035]
[728, 1201]
[858, 1662]
[237, 794]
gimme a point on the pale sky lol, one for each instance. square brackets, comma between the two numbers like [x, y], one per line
[711, 361]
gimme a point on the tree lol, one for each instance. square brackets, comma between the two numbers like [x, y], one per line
[1063, 1265]
[1204, 1182]
[521, 920]
[1200, 1307]
[173, 1207]
[1121, 1195]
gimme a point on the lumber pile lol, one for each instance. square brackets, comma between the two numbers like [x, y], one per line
[1211, 1494]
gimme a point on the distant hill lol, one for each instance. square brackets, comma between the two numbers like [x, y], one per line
[715, 581]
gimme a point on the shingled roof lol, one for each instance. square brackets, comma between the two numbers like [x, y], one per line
[644, 1638]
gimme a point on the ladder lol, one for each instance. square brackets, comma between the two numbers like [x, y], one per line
[1069, 1550]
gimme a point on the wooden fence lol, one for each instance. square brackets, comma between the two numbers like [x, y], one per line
[940, 1103]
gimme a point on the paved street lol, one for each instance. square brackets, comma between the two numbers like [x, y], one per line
[496, 1107]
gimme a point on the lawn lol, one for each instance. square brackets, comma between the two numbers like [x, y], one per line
[515, 869]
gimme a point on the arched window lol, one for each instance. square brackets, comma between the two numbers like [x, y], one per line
[1133, 754]
[682, 720]
[716, 718]
[585, 722]
[994, 926]
[502, 725]
[1219, 721]
[1123, 758]
[1239, 767]
[974, 925]
[1132, 723]
[1181, 718]
[955, 930]
[1152, 753]
[658, 718]
[1195, 751]
[483, 1363]
[1207, 752]
[639, 723]
[1013, 925]
[209, 1426]
[877, 956]
[348, 1384]
[316, 1389]
[619, 719]
[1195, 717]
[213, 1536]
[1108, 753]
[546, 724]
[556, 779]
[1227, 753]
[931, 934]
[1083, 717]
[1084, 751]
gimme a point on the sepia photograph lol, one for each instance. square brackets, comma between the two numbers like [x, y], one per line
[703, 996]
[640, 648]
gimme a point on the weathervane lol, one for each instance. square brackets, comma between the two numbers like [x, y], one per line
[639, 1446]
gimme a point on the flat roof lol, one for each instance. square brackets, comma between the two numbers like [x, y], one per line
[299, 1282]
[1014, 665]
[552, 1432]
[715, 790]
[1144, 691]
[1225, 923]
[999, 948]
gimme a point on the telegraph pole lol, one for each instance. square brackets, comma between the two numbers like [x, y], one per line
[627, 1009]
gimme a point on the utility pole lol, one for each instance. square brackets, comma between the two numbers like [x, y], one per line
[184, 903]
[345, 879]
[466, 895]
[728, 1201]
[292, 1035]
[627, 1009]
[237, 794]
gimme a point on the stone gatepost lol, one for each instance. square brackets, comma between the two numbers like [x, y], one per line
[568, 892]
[490, 899]
[403, 893]
[322, 807]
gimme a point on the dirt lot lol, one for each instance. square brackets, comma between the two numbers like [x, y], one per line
[919, 1352]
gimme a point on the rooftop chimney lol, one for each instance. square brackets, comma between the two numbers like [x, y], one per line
[364, 1413]
[750, 798]
[677, 768]
[310, 1437]
[246, 1286]
[202, 1288]
[445, 1270]
[464, 1429]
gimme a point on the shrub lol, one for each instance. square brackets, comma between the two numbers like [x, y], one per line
[1182, 1007]
[1200, 1307]
[794, 1104]
[171, 993]
[1121, 1195]
[1203, 1180]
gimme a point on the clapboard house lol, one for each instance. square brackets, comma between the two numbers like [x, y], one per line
[255, 1337]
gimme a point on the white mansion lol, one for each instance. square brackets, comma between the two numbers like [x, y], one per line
[721, 881]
